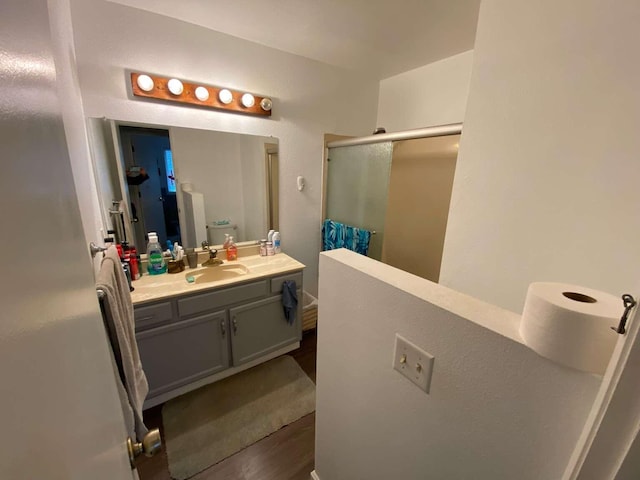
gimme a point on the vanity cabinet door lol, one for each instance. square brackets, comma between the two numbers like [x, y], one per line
[177, 354]
[260, 327]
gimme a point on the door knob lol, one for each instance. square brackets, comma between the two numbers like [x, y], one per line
[150, 445]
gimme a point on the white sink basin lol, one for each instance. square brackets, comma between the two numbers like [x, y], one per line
[220, 272]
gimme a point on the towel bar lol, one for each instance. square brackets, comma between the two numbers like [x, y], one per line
[95, 249]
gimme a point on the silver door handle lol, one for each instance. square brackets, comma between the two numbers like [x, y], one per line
[223, 328]
[150, 445]
[235, 326]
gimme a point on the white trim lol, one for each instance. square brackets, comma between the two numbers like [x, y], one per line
[314, 475]
[605, 417]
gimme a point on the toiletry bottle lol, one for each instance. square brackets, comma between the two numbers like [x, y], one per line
[133, 265]
[232, 250]
[155, 261]
[225, 245]
[263, 247]
[270, 250]
[270, 235]
[276, 242]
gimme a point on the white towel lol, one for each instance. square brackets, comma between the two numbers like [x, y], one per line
[119, 309]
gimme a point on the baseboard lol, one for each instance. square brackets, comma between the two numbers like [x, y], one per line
[314, 475]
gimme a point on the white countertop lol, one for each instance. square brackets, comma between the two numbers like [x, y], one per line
[155, 287]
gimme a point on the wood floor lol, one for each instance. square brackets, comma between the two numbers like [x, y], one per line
[287, 454]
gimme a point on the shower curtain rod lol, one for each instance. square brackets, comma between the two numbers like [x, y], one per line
[438, 131]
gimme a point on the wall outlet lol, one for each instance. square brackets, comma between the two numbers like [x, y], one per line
[413, 362]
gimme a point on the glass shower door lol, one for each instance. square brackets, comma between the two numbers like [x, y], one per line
[357, 189]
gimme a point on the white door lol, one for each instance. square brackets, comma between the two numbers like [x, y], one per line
[60, 416]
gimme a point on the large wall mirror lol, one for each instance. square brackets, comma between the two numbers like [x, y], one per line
[186, 184]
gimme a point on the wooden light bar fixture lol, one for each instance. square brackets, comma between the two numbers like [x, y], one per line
[176, 90]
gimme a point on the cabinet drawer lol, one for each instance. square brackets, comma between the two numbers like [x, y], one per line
[148, 316]
[208, 301]
[276, 282]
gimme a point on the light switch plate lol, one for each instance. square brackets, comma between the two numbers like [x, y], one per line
[413, 362]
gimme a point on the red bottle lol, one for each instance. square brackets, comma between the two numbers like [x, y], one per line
[132, 260]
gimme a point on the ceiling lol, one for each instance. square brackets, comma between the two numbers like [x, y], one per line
[380, 37]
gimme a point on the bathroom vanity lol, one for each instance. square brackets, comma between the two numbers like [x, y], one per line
[229, 319]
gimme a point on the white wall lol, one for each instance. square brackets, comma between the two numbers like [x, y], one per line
[546, 180]
[310, 98]
[496, 410]
[229, 170]
[254, 187]
[435, 94]
[210, 161]
[104, 166]
[74, 121]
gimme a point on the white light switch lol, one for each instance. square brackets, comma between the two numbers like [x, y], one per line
[413, 362]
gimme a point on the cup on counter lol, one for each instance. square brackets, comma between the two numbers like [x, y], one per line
[192, 258]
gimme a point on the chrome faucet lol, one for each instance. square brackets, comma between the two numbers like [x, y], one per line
[213, 261]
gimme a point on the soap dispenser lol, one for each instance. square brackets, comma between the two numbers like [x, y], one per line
[232, 250]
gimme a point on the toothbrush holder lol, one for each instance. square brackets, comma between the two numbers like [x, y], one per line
[175, 266]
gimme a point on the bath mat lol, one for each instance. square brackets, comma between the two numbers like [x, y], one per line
[212, 423]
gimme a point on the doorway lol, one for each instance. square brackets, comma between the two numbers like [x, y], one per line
[150, 174]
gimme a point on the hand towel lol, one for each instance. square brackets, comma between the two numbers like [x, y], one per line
[289, 300]
[119, 309]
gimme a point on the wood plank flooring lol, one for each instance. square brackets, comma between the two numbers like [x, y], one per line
[287, 454]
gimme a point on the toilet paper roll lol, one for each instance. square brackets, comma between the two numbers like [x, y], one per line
[570, 324]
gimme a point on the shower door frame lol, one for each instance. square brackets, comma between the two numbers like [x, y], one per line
[332, 140]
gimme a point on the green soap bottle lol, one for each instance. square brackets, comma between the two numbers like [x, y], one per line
[155, 260]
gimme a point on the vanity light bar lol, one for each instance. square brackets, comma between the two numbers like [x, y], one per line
[176, 90]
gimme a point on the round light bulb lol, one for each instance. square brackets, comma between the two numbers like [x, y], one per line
[225, 96]
[175, 86]
[248, 100]
[145, 82]
[266, 104]
[202, 94]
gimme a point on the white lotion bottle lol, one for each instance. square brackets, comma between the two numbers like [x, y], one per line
[276, 242]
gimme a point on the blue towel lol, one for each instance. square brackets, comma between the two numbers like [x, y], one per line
[289, 300]
[339, 235]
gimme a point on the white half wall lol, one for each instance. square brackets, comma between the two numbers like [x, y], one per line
[496, 410]
[310, 98]
[434, 94]
[547, 176]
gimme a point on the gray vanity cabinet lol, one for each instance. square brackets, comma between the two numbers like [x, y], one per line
[259, 328]
[194, 336]
[179, 353]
